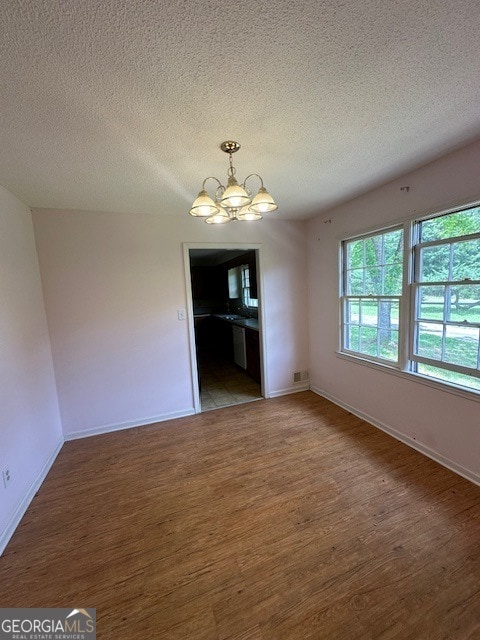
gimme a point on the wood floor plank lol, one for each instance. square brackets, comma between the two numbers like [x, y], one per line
[281, 519]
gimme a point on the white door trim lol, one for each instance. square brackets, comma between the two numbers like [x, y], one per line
[191, 324]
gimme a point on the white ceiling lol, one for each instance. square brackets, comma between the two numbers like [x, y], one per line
[121, 105]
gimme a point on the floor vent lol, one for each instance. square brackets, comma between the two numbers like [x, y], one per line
[300, 376]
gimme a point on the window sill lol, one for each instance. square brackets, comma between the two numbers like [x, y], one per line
[413, 377]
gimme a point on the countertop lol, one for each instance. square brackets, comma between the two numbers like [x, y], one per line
[247, 323]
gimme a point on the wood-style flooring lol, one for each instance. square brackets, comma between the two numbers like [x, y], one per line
[282, 519]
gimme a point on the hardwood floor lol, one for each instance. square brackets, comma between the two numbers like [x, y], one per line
[280, 519]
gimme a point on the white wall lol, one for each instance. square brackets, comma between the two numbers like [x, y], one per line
[441, 424]
[30, 431]
[113, 284]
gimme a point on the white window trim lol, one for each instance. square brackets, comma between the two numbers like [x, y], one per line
[417, 285]
[246, 298]
[343, 297]
[463, 392]
[406, 361]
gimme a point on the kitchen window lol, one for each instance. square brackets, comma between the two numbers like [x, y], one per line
[411, 297]
[245, 285]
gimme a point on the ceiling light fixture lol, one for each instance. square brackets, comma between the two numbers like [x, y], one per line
[233, 202]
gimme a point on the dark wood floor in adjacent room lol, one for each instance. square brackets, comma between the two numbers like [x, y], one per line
[283, 519]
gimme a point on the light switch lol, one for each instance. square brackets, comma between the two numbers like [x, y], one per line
[181, 314]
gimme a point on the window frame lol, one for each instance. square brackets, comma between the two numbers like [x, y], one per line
[244, 287]
[345, 297]
[417, 284]
[409, 309]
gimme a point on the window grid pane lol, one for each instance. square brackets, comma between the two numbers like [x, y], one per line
[371, 326]
[431, 303]
[374, 265]
[446, 343]
[450, 225]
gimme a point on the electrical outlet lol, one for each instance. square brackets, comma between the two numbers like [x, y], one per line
[7, 478]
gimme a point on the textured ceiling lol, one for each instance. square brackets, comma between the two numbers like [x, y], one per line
[120, 105]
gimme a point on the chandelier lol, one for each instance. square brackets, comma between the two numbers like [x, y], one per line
[233, 202]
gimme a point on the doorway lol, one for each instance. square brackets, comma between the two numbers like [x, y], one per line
[225, 326]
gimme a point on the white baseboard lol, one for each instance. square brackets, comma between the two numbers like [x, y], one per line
[95, 431]
[19, 512]
[418, 446]
[304, 386]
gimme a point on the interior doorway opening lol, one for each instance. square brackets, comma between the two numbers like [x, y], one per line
[226, 326]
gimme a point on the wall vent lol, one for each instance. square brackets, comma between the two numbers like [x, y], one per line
[300, 376]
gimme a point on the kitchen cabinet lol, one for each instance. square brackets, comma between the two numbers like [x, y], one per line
[208, 283]
[221, 338]
[252, 348]
[202, 330]
[225, 334]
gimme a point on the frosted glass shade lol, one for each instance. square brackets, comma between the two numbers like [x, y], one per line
[234, 195]
[263, 202]
[246, 213]
[221, 217]
[203, 206]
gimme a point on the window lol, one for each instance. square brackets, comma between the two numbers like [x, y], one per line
[439, 323]
[446, 291]
[245, 283]
[373, 279]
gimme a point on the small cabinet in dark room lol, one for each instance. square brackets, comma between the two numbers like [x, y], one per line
[252, 347]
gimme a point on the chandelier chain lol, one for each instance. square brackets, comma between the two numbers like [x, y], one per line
[231, 171]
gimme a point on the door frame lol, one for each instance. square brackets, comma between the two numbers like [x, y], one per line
[191, 323]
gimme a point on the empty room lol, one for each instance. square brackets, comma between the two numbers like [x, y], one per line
[240, 320]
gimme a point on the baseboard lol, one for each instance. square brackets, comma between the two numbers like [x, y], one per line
[95, 431]
[19, 512]
[305, 386]
[418, 446]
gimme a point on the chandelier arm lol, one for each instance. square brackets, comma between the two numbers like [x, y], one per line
[212, 178]
[250, 176]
